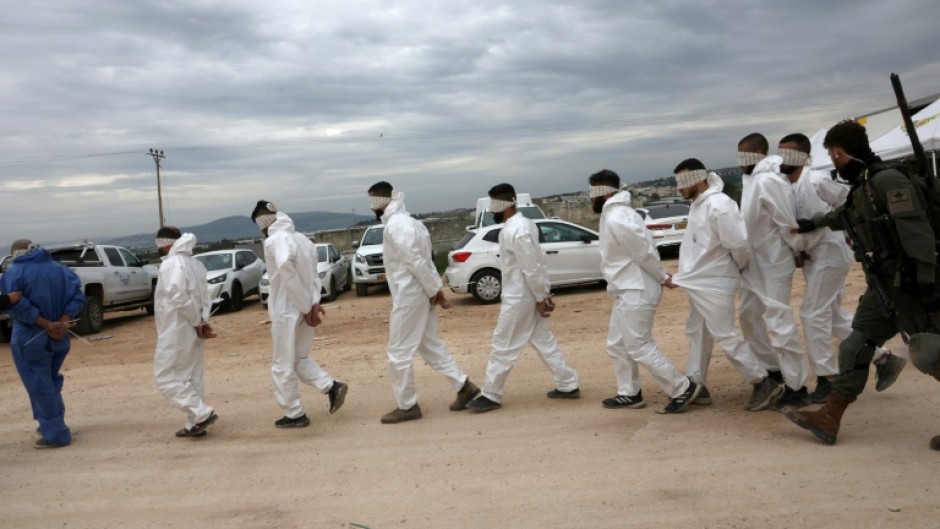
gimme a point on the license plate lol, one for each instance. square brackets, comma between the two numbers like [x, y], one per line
[381, 277]
[681, 225]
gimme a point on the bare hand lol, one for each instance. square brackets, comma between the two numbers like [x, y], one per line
[204, 331]
[313, 318]
[668, 282]
[57, 330]
[15, 297]
[545, 307]
[800, 259]
[440, 299]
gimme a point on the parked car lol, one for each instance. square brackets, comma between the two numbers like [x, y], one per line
[233, 275]
[572, 254]
[332, 269]
[368, 266]
[666, 223]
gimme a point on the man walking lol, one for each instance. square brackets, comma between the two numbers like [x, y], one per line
[294, 307]
[714, 249]
[526, 303]
[50, 296]
[416, 290]
[181, 306]
[635, 277]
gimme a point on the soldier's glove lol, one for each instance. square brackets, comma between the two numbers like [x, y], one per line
[805, 225]
[930, 296]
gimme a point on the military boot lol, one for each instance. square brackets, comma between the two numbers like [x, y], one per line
[824, 422]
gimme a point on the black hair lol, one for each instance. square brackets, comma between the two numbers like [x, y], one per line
[605, 177]
[755, 142]
[382, 189]
[503, 192]
[850, 136]
[801, 141]
[262, 208]
[689, 164]
[169, 232]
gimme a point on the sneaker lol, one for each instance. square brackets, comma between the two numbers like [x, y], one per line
[337, 395]
[622, 401]
[680, 403]
[704, 397]
[794, 399]
[287, 422]
[468, 392]
[399, 415]
[766, 392]
[822, 391]
[888, 369]
[42, 443]
[558, 394]
[482, 404]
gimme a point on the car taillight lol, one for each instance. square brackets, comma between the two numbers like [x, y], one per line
[658, 226]
[460, 257]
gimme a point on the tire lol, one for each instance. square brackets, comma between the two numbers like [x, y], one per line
[333, 292]
[149, 308]
[91, 318]
[237, 300]
[487, 286]
[348, 286]
[362, 289]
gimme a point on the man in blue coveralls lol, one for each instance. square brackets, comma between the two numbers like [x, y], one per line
[51, 297]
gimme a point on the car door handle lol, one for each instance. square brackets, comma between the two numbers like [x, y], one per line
[550, 252]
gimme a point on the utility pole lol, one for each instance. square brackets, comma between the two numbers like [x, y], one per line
[157, 156]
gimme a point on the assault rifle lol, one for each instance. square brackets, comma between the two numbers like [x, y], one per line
[912, 130]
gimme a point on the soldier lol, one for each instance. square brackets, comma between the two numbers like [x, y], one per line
[888, 211]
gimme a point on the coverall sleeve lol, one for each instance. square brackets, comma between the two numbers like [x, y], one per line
[76, 300]
[830, 191]
[778, 202]
[632, 238]
[284, 252]
[179, 297]
[405, 240]
[529, 254]
[732, 234]
[904, 206]
[24, 311]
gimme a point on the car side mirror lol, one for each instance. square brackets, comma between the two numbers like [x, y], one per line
[355, 244]
[586, 239]
[143, 262]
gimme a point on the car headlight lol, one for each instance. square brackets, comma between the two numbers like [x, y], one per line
[321, 274]
[360, 259]
[265, 282]
[218, 279]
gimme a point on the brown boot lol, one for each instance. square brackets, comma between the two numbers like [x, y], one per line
[398, 415]
[468, 392]
[824, 422]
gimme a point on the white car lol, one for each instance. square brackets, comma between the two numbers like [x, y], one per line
[332, 269]
[368, 266]
[232, 275]
[666, 223]
[572, 254]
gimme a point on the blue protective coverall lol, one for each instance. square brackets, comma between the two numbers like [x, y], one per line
[49, 290]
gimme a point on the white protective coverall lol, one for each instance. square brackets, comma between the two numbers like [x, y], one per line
[765, 313]
[634, 275]
[291, 260]
[413, 325]
[525, 283]
[714, 249]
[180, 303]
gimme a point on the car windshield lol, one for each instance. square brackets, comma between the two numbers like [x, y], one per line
[321, 254]
[218, 261]
[372, 236]
[668, 210]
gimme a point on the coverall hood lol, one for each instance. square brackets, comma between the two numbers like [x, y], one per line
[281, 223]
[184, 245]
[770, 164]
[621, 198]
[396, 206]
[37, 255]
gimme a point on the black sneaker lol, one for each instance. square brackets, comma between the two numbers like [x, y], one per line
[822, 391]
[794, 399]
[337, 395]
[481, 404]
[680, 403]
[765, 393]
[42, 443]
[622, 401]
[287, 422]
[558, 394]
[704, 397]
[888, 368]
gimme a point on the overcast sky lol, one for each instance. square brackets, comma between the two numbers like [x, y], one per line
[308, 103]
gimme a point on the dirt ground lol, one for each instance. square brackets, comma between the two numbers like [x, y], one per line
[534, 463]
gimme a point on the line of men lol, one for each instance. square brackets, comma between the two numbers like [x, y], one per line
[754, 250]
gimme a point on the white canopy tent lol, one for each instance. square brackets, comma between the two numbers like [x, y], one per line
[818, 153]
[896, 144]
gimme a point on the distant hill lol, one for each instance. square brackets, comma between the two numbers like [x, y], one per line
[241, 227]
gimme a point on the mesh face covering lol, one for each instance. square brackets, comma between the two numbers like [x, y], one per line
[499, 206]
[690, 178]
[746, 159]
[263, 221]
[379, 202]
[793, 157]
[599, 191]
[161, 242]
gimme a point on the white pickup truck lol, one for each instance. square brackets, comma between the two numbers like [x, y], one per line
[113, 279]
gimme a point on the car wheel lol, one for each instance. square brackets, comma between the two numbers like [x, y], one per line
[362, 289]
[150, 306]
[237, 299]
[348, 286]
[486, 286]
[91, 318]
